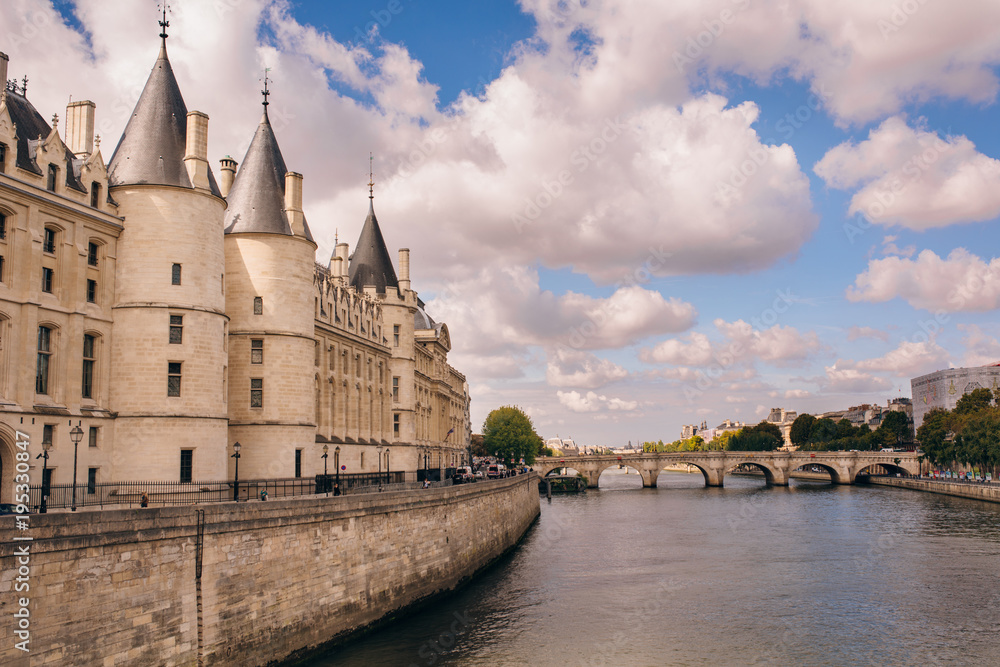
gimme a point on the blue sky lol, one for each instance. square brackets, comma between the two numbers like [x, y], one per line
[655, 285]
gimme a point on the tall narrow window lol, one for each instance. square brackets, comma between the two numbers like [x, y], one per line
[91, 291]
[88, 366]
[258, 305]
[92, 249]
[44, 356]
[395, 388]
[173, 378]
[1, 268]
[3, 227]
[175, 274]
[256, 350]
[50, 184]
[95, 195]
[395, 425]
[48, 431]
[48, 276]
[91, 481]
[3, 151]
[298, 463]
[256, 392]
[395, 335]
[187, 465]
[176, 329]
[49, 241]
[92, 441]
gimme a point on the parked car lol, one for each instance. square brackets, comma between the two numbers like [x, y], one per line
[463, 475]
[496, 471]
[480, 475]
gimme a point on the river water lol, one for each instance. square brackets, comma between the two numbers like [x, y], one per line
[810, 574]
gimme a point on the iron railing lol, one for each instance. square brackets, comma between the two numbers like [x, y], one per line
[129, 494]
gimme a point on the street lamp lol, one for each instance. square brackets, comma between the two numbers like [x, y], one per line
[380, 467]
[76, 435]
[386, 465]
[336, 463]
[326, 480]
[46, 446]
[236, 480]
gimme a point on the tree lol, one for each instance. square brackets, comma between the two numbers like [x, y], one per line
[750, 440]
[477, 446]
[509, 435]
[767, 428]
[974, 401]
[895, 428]
[801, 429]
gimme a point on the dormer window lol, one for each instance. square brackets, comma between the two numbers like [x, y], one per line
[95, 195]
[50, 185]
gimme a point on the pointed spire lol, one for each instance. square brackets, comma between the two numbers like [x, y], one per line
[265, 92]
[257, 198]
[371, 176]
[370, 263]
[164, 24]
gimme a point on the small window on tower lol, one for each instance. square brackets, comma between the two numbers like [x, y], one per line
[257, 351]
[256, 392]
[175, 274]
[258, 305]
[176, 329]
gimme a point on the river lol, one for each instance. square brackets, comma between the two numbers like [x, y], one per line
[809, 574]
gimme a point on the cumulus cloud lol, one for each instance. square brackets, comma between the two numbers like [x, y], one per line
[850, 381]
[592, 402]
[960, 282]
[741, 343]
[913, 178]
[571, 368]
[909, 359]
[797, 393]
[981, 349]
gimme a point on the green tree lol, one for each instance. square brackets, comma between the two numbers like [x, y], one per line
[509, 435]
[895, 428]
[751, 440]
[801, 430]
[477, 446]
[768, 428]
[974, 401]
[845, 429]
[823, 431]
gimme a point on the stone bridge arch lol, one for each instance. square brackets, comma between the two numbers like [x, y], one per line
[836, 476]
[890, 468]
[773, 475]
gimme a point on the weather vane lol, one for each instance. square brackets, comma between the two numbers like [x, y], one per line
[371, 176]
[265, 92]
[164, 24]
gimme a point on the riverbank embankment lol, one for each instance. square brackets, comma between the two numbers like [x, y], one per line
[247, 583]
[988, 492]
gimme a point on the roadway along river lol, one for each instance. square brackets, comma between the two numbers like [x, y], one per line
[811, 574]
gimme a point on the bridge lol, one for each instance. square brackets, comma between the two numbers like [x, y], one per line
[844, 467]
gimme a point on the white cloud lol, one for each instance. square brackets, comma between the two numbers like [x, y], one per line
[909, 359]
[981, 349]
[797, 393]
[850, 381]
[742, 343]
[570, 368]
[913, 178]
[960, 282]
[592, 402]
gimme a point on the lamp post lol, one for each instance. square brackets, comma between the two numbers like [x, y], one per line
[76, 435]
[386, 465]
[336, 464]
[326, 480]
[46, 446]
[236, 479]
[380, 467]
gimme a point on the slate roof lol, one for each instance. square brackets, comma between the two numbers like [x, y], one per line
[31, 126]
[370, 264]
[257, 198]
[151, 150]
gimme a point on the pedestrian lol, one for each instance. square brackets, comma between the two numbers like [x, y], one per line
[263, 495]
[143, 500]
[427, 484]
[336, 489]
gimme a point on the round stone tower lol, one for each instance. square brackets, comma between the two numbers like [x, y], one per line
[270, 265]
[169, 313]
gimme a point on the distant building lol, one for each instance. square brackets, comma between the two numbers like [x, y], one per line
[783, 419]
[562, 447]
[942, 389]
[691, 430]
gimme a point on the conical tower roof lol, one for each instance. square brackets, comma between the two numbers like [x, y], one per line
[257, 198]
[151, 150]
[370, 264]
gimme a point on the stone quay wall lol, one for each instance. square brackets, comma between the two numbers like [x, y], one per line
[988, 492]
[245, 583]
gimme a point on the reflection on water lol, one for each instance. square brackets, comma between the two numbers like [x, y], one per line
[808, 574]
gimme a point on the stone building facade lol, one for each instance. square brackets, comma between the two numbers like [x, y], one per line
[942, 389]
[170, 315]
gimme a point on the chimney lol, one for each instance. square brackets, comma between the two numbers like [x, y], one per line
[3, 69]
[293, 203]
[337, 266]
[344, 265]
[196, 149]
[228, 174]
[404, 269]
[80, 127]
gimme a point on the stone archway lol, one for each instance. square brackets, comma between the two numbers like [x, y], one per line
[8, 438]
[836, 476]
